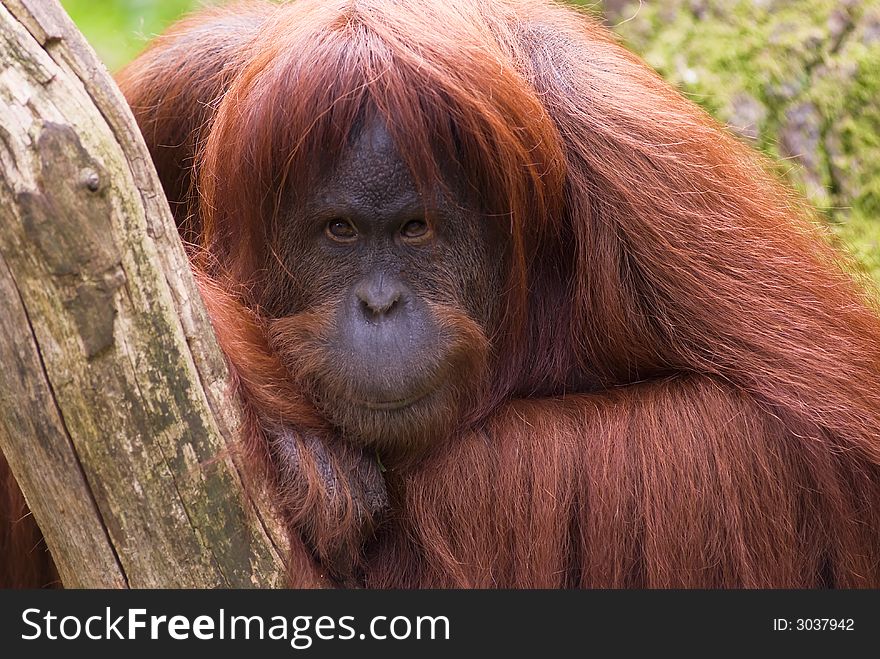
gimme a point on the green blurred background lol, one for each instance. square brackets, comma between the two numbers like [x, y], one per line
[798, 79]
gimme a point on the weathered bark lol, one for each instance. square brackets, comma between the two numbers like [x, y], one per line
[114, 407]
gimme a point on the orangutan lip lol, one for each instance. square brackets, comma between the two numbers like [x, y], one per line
[391, 404]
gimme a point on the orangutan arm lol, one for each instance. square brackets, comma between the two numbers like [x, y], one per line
[332, 495]
[681, 482]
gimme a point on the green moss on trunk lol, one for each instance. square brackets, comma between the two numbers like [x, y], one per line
[800, 80]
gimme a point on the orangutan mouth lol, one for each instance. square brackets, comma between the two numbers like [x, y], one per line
[391, 405]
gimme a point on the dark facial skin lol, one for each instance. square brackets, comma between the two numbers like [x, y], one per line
[384, 297]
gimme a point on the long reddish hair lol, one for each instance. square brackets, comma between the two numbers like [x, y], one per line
[719, 359]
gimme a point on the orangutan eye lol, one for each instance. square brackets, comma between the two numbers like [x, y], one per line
[415, 229]
[341, 231]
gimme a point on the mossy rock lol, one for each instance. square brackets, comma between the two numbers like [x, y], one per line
[798, 79]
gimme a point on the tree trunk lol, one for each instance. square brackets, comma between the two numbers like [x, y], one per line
[114, 401]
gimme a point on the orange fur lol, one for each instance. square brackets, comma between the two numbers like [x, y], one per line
[685, 387]
[26, 562]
